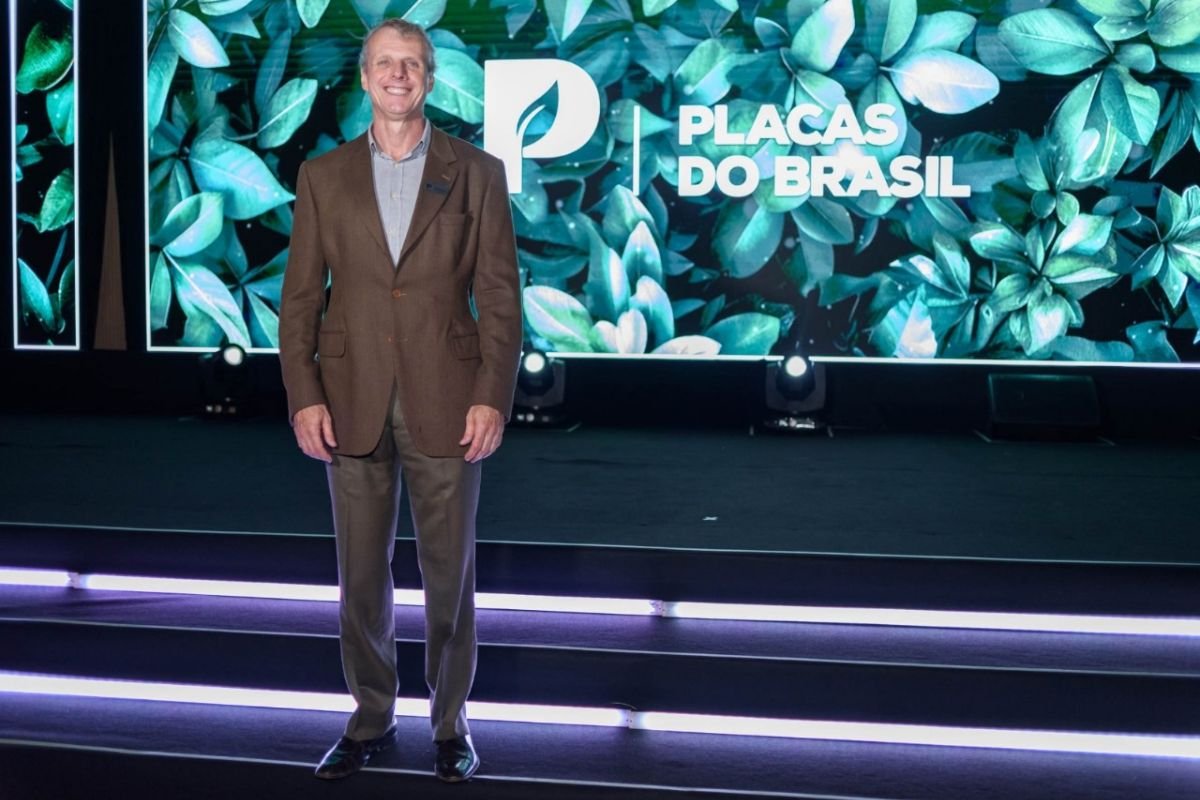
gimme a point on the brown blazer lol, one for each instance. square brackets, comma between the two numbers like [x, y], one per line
[411, 324]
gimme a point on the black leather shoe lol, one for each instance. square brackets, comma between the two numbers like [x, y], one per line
[456, 759]
[348, 756]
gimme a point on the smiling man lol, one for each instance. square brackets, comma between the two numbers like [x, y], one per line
[393, 377]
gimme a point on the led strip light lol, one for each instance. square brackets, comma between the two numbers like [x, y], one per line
[888, 733]
[833, 615]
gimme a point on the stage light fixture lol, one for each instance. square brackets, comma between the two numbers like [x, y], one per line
[534, 362]
[795, 394]
[225, 381]
[233, 355]
[541, 389]
[795, 367]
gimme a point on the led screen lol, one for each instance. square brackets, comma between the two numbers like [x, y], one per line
[43, 174]
[890, 178]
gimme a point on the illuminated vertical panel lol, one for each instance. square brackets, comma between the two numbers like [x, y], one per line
[43, 49]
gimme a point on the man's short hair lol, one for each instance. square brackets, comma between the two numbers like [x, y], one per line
[404, 28]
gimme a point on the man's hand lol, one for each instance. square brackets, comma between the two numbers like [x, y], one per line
[485, 429]
[314, 432]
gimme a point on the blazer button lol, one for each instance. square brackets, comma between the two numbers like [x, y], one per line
[397, 293]
[390, 339]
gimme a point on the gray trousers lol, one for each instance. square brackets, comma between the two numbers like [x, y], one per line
[443, 494]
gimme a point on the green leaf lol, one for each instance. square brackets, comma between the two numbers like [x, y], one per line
[653, 8]
[353, 113]
[58, 207]
[60, 108]
[264, 323]
[655, 307]
[953, 266]
[310, 14]
[689, 346]
[810, 266]
[160, 293]
[825, 221]
[1075, 348]
[944, 82]
[641, 257]
[889, 24]
[1146, 267]
[631, 333]
[1077, 276]
[1086, 234]
[771, 33]
[746, 237]
[1116, 8]
[907, 329]
[620, 121]
[820, 40]
[558, 318]
[1138, 57]
[703, 77]
[219, 8]
[45, 61]
[1048, 317]
[750, 334]
[240, 23]
[271, 69]
[1149, 340]
[565, 15]
[624, 212]
[249, 187]
[1185, 58]
[35, 300]
[160, 71]
[1174, 22]
[202, 294]
[1119, 29]
[192, 225]
[1011, 293]
[287, 110]
[458, 86]
[194, 42]
[65, 294]
[942, 30]
[1092, 147]
[607, 285]
[1132, 107]
[1052, 41]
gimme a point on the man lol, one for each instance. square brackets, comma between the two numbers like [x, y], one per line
[396, 376]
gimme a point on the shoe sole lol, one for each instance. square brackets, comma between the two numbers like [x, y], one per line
[373, 749]
[474, 768]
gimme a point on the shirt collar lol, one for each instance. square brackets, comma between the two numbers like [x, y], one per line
[417, 151]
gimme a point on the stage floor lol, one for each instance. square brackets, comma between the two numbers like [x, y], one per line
[856, 493]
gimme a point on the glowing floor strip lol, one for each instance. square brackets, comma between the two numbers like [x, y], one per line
[1051, 741]
[62, 686]
[896, 617]
[979, 620]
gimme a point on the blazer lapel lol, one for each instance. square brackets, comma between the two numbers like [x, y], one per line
[361, 181]
[436, 180]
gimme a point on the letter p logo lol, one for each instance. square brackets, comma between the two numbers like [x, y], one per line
[511, 90]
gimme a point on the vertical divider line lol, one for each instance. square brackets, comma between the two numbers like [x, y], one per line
[637, 150]
[12, 101]
[75, 146]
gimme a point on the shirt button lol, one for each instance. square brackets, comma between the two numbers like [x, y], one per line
[394, 195]
[397, 293]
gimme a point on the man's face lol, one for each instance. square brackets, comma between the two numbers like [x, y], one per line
[395, 75]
